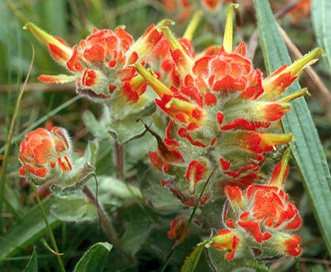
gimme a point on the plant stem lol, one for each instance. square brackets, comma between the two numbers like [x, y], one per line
[106, 224]
[58, 256]
[174, 247]
[103, 217]
[119, 159]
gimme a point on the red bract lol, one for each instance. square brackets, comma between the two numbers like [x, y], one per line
[263, 215]
[211, 4]
[45, 154]
[177, 228]
[102, 63]
[161, 61]
[300, 11]
[229, 72]
[227, 241]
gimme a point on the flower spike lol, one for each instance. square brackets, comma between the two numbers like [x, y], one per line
[263, 216]
[46, 154]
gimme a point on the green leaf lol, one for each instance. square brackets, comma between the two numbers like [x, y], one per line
[112, 191]
[73, 208]
[97, 128]
[126, 129]
[159, 197]
[95, 259]
[192, 260]
[91, 152]
[27, 230]
[320, 11]
[124, 116]
[134, 237]
[32, 265]
[307, 150]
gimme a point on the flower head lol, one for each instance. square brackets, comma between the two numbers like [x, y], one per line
[102, 63]
[264, 215]
[45, 154]
[222, 108]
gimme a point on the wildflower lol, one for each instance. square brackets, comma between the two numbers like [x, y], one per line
[263, 216]
[46, 154]
[223, 110]
[101, 64]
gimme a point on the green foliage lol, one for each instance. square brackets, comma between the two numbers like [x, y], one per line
[26, 230]
[307, 150]
[192, 260]
[73, 208]
[95, 258]
[32, 265]
[320, 18]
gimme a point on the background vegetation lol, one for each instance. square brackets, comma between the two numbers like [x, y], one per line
[22, 226]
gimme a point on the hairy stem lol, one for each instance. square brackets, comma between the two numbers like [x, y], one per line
[119, 159]
[107, 225]
[103, 217]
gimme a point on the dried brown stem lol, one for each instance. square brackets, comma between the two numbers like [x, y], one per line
[39, 87]
[325, 101]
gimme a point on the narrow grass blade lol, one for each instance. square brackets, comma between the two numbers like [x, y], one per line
[26, 231]
[320, 11]
[307, 150]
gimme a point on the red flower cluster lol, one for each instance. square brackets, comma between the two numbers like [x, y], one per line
[260, 217]
[102, 63]
[46, 154]
[221, 110]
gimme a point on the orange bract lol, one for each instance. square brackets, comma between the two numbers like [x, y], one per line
[263, 216]
[45, 154]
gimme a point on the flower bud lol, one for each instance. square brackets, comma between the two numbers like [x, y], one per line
[45, 154]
